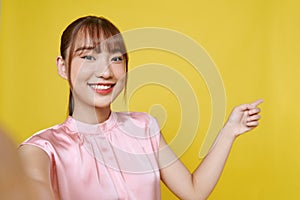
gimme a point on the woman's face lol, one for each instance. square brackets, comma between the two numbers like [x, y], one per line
[97, 77]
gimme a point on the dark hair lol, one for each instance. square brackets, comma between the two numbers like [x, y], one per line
[103, 35]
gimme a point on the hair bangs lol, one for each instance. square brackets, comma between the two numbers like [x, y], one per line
[100, 37]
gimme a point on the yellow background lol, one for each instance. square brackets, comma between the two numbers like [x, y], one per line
[254, 43]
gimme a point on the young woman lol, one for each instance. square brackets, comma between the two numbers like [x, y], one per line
[100, 154]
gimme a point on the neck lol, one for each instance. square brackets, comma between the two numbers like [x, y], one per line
[92, 116]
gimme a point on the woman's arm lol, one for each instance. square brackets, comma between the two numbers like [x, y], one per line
[13, 182]
[202, 181]
[36, 164]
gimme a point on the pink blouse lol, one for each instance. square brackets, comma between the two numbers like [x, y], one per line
[116, 159]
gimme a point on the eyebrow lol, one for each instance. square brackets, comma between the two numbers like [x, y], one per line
[116, 50]
[84, 48]
[113, 51]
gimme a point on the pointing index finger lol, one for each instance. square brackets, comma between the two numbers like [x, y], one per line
[256, 103]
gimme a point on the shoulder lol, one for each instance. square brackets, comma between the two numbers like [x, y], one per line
[45, 139]
[46, 134]
[139, 118]
[138, 124]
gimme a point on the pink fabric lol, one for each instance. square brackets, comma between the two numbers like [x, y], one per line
[116, 159]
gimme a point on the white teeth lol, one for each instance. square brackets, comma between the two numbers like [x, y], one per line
[101, 87]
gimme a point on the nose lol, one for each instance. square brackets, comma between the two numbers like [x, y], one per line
[105, 73]
[103, 70]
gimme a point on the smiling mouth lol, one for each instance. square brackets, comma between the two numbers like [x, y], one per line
[102, 88]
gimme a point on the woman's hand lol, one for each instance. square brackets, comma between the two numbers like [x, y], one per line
[243, 118]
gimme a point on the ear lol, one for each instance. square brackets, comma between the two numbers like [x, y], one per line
[61, 67]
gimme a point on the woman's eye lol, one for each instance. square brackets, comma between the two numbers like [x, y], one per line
[117, 59]
[88, 57]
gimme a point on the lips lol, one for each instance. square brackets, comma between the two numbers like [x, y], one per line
[102, 88]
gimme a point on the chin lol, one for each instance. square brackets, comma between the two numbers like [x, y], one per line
[102, 105]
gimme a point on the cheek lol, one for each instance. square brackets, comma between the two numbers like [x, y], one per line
[79, 72]
[119, 72]
[75, 71]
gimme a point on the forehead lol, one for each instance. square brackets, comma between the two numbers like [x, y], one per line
[99, 41]
[85, 38]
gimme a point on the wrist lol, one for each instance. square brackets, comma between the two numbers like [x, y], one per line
[228, 132]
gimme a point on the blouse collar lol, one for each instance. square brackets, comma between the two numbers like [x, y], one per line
[86, 128]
